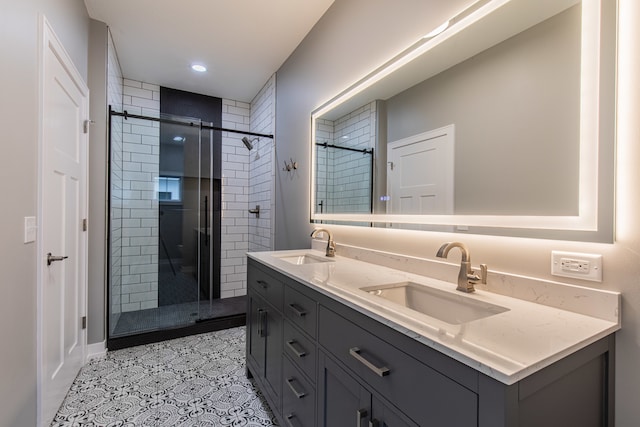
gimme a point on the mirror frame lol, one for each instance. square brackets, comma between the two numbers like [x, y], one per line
[594, 221]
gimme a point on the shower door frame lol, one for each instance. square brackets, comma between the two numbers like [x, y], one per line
[205, 325]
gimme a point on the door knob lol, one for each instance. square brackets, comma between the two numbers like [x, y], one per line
[52, 258]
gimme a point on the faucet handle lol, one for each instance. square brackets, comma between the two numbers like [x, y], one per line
[331, 248]
[482, 278]
[483, 274]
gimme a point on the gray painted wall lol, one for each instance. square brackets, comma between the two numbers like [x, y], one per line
[18, 184]
[355, 36]
[352, 38]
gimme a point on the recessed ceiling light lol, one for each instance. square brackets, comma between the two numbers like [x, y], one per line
[199, 68]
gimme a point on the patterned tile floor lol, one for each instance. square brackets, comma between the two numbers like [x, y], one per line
[193, 381]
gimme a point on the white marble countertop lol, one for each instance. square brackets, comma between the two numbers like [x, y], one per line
[507, 346]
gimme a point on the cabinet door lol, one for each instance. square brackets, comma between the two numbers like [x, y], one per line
[387, 416]
[342, 401]
[256, 344]
[264, 347]
[273, 349]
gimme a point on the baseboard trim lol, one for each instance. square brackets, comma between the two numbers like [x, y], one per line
[96, 350]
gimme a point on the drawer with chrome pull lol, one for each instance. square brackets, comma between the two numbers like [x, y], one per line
[414, 387]
[266, 286]
[300, 349]
[300, 310]
[298, 398]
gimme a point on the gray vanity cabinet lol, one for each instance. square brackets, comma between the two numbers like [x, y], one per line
[322, 363]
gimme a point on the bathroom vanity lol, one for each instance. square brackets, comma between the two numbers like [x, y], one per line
[327, 348]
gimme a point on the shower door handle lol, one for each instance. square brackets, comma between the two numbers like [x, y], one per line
[206, 220]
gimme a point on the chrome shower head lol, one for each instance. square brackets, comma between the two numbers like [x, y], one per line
[248, 143]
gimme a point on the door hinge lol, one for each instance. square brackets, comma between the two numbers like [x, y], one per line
[84, 322]
[84, 224]
[85, 125]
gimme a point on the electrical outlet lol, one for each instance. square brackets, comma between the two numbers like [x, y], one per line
[577, 265]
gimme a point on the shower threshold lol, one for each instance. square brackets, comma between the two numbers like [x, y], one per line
[167, 320]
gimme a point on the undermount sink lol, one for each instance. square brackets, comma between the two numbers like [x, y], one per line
[444, 306]
[301, 259]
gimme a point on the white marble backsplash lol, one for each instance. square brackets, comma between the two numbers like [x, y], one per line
[597, 303]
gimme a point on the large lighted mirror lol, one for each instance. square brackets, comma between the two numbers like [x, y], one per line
[500, 121]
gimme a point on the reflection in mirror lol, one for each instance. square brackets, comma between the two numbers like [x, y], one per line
[344, 162]
[492, 123]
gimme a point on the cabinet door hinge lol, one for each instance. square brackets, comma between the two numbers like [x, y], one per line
[84, 224]
[84, 322]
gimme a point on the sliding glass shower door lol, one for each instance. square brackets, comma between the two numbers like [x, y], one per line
[161, 221]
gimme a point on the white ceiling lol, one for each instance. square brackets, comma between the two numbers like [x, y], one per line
[241, 42]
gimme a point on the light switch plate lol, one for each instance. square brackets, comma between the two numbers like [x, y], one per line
[30, 229]
[577, 265]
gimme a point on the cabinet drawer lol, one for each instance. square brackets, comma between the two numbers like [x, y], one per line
[300, 349]
[301, 310]
[422, 393]
[265, 285]
[298, 398]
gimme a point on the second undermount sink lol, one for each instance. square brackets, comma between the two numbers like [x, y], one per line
[444, 306]
[301, 259]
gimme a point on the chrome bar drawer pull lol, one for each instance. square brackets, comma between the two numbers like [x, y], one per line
[297, 310]
[298, 394]
[381, 372]
[262, 323]
[298, 353]
[288, 420]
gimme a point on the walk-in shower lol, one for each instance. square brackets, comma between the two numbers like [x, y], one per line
[164, 229]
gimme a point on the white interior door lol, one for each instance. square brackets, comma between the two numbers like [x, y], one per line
[63, 206]
[420, 175]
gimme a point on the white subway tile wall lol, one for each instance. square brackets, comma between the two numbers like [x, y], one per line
[247, 180]
[262, 169]
[344, 177]
[235, 200]
[140, 164]
[324, 135]
[114, 99]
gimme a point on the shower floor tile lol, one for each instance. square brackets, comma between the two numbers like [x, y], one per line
[194, 381]
[170, 316]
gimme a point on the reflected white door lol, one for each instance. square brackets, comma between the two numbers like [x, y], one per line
[420, 173]
[63, 202]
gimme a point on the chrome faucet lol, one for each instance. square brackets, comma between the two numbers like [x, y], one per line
[331, 245]
[466, 277]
